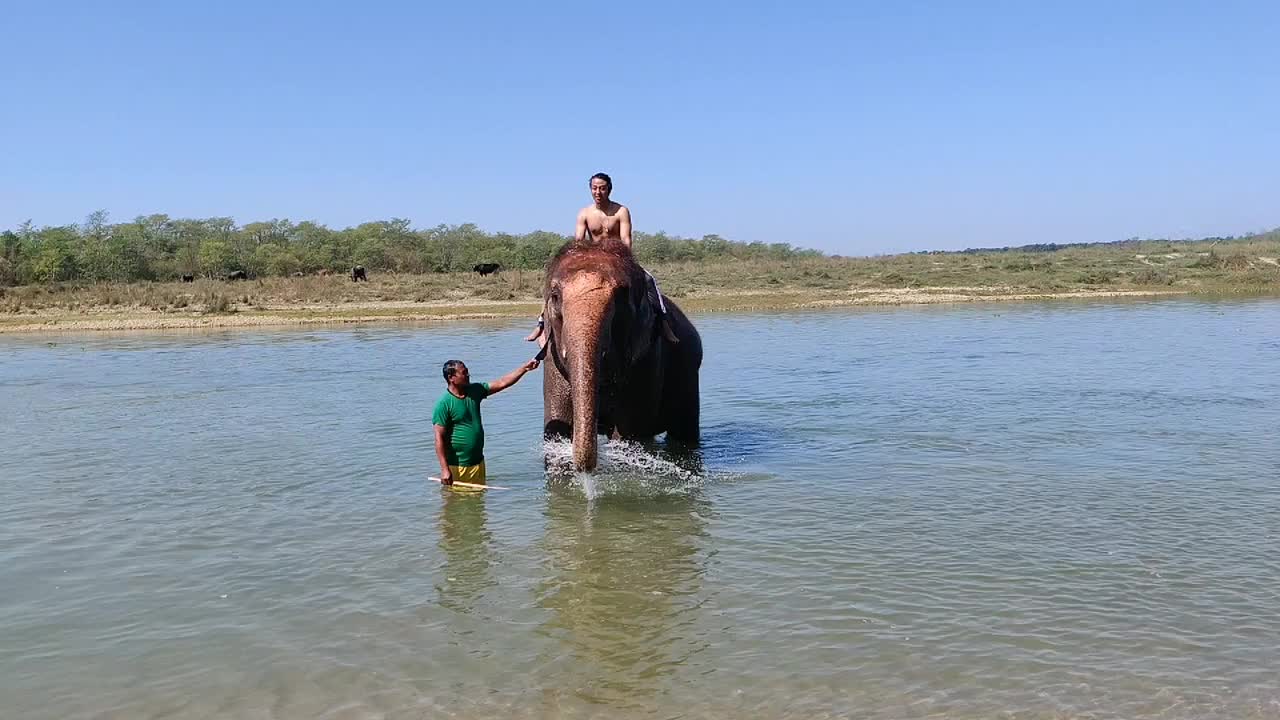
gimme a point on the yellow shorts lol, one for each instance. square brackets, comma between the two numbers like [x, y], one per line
[468, 473]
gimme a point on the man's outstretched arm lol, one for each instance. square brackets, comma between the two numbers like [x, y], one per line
[580, 232]
[512, 377]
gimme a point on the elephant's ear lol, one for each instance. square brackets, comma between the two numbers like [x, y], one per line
[549, 334]
[643, 317]
[551, 352]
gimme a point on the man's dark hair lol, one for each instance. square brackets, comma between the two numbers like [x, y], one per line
[602, 176]
[451, 367]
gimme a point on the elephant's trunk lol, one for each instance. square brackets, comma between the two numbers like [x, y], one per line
[585, 396]
[588, 333]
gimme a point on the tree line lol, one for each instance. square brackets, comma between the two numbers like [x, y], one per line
[1265, 236]
[161, 248]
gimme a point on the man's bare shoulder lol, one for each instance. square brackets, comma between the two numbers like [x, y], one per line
[614, 210]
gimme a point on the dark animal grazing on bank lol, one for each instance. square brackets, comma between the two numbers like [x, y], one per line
[298, 274]
[238, 275]
[487, 268]
[188, 278]
[357, 274]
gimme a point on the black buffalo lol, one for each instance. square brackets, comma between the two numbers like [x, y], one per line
[487, 268]
[238, 275]
[357, 274]
[188, 278]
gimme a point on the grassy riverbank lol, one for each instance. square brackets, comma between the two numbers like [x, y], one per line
[1249, 266]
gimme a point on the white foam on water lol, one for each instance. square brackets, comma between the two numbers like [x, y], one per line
[624, 468]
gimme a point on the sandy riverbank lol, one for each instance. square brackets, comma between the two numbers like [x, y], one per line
[389, 311]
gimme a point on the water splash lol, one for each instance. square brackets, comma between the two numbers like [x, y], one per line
[629, 468]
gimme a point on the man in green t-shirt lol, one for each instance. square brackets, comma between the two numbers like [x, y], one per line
[459, 432]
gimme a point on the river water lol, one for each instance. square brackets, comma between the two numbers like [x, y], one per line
[1036, 510]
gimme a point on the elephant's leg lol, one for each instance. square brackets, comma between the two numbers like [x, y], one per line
[634, 407]
[557, 403]
[681, 405]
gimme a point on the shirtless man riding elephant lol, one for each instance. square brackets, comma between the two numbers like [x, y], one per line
[599, 222]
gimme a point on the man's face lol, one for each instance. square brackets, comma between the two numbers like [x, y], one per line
[461, 376]
[599, 190]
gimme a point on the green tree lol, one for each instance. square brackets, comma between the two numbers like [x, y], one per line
[372, 253]
[157, 237]
[10, 249]
[156, 245]
[536, 248]
[94, 256]
[217, 258]
[54, 262]
[94, 260]
[655, 248]
[714, 246]
[274, 259]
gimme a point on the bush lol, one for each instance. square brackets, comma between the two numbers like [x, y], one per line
[1152, 276]
[1096, 276]
[215, 303]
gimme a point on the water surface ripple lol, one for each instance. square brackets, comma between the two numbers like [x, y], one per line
[1032, 511]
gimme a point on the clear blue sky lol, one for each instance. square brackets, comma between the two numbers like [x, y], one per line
[856, 128]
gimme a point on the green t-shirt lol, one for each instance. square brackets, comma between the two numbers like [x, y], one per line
[460, 418]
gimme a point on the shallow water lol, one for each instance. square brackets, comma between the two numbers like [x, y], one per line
[1059, 510]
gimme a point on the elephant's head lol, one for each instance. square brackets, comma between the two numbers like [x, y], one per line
[600, 322]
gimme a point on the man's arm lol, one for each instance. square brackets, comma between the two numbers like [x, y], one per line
[624, 226]
[446, 477]
[512, 377]
[580, 232]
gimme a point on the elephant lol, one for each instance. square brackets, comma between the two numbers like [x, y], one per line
[609, 368]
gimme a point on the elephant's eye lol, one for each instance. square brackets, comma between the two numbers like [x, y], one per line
[555, 297]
